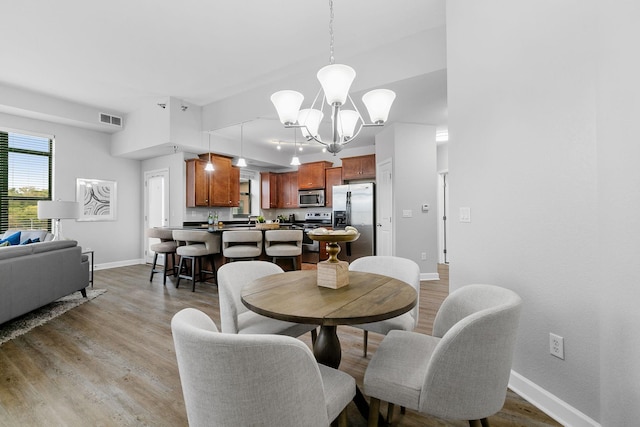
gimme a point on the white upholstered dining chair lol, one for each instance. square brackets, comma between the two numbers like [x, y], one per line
[459, 373]
[399, 268]
[235, 318]
[254, 380]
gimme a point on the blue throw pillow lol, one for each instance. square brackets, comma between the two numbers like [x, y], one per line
[36, 240]
[26, 242]
[13, 239]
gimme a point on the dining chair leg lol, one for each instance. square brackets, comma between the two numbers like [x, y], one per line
[153, 266]
[390, 408]
[403, 410]
[474, 423]
[314, 336]
[374, 412]
[484, 422]
[366, 339]
[342, 418]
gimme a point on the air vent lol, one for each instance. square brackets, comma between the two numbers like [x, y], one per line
[110, 120]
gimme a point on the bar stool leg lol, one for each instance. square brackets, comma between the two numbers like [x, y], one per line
[180, 271]
[153, 266]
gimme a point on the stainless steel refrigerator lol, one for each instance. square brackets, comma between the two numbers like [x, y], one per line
[354, 204]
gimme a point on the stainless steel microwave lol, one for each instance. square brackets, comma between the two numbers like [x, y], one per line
[310, 198]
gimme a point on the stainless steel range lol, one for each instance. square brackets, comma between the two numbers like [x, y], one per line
[311, 248]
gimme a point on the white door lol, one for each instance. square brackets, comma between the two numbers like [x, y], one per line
[156, 207]
[384, 209]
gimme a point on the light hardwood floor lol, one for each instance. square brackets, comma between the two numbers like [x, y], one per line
[111, 361]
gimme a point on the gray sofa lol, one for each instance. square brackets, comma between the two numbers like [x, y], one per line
[36, 274]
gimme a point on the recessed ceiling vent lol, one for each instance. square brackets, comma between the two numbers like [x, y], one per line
[110, 120]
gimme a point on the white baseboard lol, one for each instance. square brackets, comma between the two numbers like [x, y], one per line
[429, 276]
[107, 265]
[548, 403]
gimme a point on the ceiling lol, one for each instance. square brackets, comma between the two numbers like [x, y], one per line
[124, 55]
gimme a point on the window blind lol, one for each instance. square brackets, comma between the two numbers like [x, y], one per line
[25, 178]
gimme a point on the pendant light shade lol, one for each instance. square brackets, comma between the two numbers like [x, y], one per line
[347, 120]
[295, 161]
[336, 81]
[287, 103]
[209, 166]
[378, 103]
[310, 120]
[241, 163]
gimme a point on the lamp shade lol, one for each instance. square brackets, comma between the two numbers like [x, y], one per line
[336, 81]
[295, 161]
[287, 103]
[242, 163]
[311, 120]
[378, 103]
[347, 120]
[57, 209]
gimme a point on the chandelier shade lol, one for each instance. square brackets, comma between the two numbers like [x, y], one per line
[336, 81]
[347, 121]
[287, 103]
[310, 120]
[378, 103]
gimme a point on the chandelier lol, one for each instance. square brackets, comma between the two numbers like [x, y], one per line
[346, 124]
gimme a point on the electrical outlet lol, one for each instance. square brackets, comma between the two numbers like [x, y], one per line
[556, 346]
[423, 256]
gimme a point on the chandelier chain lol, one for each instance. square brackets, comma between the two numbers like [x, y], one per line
[331, 58]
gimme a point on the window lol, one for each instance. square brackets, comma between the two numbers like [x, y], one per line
[244, 209]
[25, 178]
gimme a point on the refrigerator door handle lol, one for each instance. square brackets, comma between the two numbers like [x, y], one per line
[348, 208]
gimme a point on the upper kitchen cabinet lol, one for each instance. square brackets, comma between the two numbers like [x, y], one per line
[220, 188]
[268, 190]
[311, 175]
[333, 176]
[197, 183]
[359, 167]
[288, 190]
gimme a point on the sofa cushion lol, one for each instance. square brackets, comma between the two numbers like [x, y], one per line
[43, 235]
[5, 243]
[13, 239]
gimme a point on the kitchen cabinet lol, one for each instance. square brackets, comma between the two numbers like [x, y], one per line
[311, 176]
[359, 167]
[288, 190]
[333, 176]
[220, 188]
[268, 190]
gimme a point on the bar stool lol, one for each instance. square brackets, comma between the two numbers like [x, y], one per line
[283, 244]
[245, 245]
[166, 246]
[199, 244]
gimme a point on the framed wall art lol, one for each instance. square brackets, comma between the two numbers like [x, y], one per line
[97, 199]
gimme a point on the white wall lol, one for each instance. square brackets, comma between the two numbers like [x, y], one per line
[81, 153]
[543, 149]
[618, 204]
[412, 149]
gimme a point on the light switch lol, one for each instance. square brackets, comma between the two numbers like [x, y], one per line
[407, 213]
[465, 214]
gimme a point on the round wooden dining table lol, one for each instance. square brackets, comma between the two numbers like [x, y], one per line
[294, 296]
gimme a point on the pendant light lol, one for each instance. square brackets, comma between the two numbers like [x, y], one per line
[295, 161]
[209, 166]
[241, 161]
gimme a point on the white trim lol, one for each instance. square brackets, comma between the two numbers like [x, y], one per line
[548, 403]
[125, 263]
[429, 276]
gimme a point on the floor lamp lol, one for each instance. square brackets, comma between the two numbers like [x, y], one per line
[57, 210]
